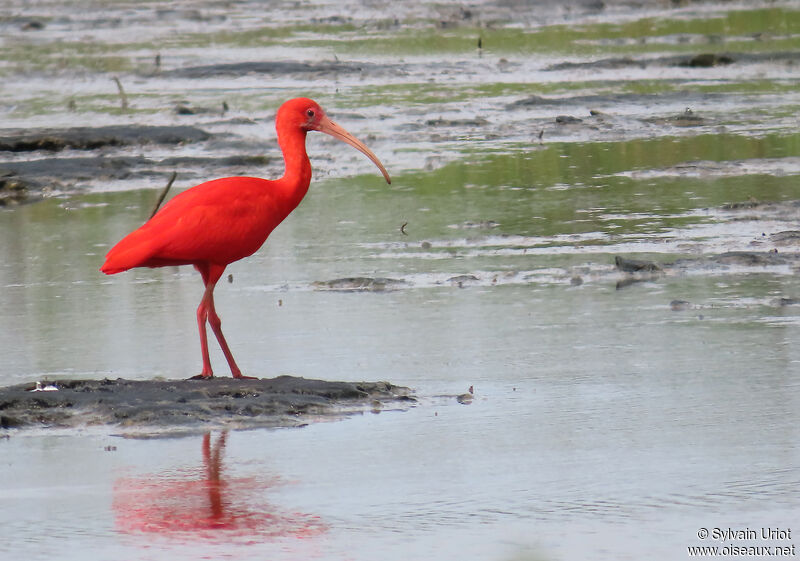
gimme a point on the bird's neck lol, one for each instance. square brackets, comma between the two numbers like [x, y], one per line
[297, 170]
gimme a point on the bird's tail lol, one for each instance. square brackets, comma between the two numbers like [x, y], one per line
[110, 269]
[132, 251]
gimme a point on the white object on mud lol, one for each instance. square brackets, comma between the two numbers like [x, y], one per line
[47, 388]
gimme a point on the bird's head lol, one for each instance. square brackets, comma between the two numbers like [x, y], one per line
[307, 115]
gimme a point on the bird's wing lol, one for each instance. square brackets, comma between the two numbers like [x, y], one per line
[218, 222]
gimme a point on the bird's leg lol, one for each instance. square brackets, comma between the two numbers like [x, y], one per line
[202, 316]
[216, 327]
[207, 312]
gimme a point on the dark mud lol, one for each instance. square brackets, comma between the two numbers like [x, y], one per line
[31, 180]
[701, 60]
[620, 100]
[13, 189]
[637, 270]
[92, 138]
[787, 237]
[784, 208]
[70, 170]
[636, 265]
[268, 67]
[192, 404]
[360, 284]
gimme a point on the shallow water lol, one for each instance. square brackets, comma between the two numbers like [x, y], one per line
[610, 420]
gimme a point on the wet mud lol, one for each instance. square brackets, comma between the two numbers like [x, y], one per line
[360, 284]
[624, 271]
[741, 262]
[699, 60]
[192, 404]
[92, 138]
[30, 180]
[710, 262]
[14, 190]
[280, 68]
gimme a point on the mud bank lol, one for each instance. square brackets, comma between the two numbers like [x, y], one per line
[267, 67]
[741, 262]
[91, 138]
[192, 404]
[31, 180]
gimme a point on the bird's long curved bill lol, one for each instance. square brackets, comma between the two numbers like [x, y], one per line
[329, 127]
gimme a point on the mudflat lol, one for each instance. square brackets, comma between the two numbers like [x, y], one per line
[202, 404]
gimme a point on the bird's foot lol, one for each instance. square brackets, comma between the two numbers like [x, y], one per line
[201, 377]
[241, 376]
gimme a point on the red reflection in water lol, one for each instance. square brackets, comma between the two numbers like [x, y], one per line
[204, 503]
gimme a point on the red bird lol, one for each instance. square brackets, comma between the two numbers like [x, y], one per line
[218, 222]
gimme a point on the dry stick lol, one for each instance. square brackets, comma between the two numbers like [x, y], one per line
[121, 93]
[163, 194]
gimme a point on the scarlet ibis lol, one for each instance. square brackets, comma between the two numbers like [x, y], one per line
[218, 222]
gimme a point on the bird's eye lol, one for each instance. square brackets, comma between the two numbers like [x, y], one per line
[310, 113]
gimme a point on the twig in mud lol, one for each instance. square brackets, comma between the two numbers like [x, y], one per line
[403, 229]
[123, 97]
[163, 194]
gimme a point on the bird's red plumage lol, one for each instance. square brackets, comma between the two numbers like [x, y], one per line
[224, 220]
[220, 221]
